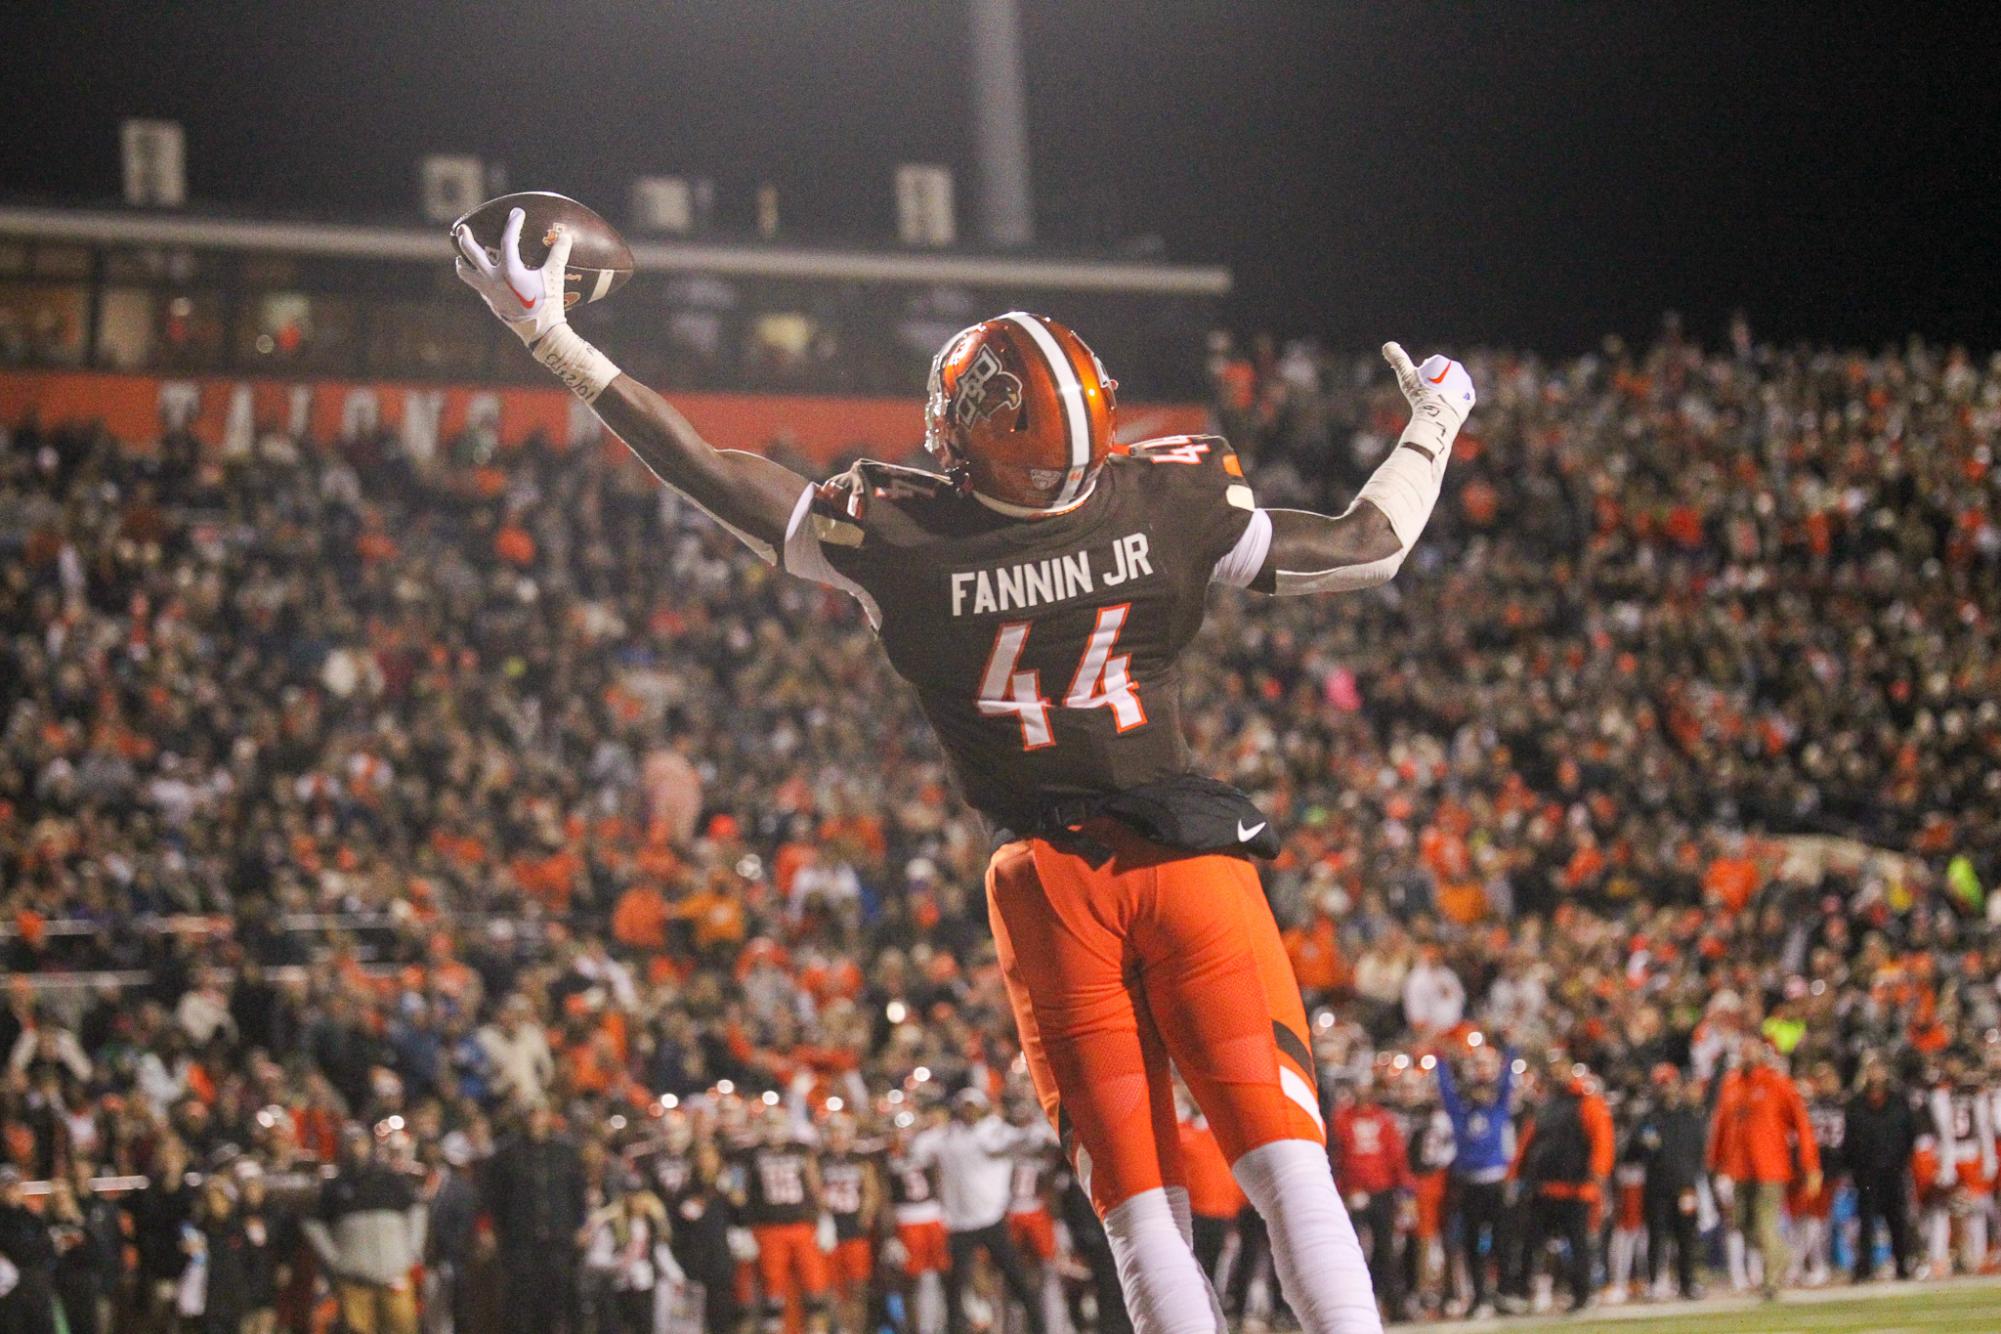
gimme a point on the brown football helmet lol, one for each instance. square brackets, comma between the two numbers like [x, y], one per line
[1020, 411]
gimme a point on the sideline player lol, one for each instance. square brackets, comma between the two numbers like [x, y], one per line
[1038, 594]
[1031, 1225]
[851, 1188]
[919, 1248]
[779, 1197]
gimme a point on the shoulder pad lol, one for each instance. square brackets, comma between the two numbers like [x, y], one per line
[841, 504]
[1207, 461]
[1191, 449]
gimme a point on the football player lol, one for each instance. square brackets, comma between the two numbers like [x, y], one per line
[918, 1248]
[779, 1196]
[1813, 1212]
[1037, 593]
[1030, 1223]
[851, 1189]
[1967, 1169]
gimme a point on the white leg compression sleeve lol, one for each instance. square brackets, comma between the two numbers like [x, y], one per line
[1313, 1243]
[1184, 1214]
[1184, 1222]
[1809, 1249]
[1164, 1288]
[1938, 1232]
[1619, 1264]
[928, 1304]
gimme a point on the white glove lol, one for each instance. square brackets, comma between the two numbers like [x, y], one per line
[1440, 394]
[528, 301]
[742, 1244]
[895, 1254]
[824, 1235]
[1405, 485]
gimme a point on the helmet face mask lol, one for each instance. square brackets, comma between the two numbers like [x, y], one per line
[1021, 413]
[938, 410]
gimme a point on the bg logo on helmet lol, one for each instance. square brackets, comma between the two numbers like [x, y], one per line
[984, 389]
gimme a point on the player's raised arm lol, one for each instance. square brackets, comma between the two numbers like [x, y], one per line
[1366, 544]
[747, 493]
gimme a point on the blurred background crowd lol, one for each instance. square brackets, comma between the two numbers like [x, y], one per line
[433, 894]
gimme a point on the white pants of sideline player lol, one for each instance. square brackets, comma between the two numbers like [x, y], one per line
[1314, 1248]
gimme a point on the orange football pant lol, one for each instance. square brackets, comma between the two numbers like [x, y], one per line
[1033, 1233]
[852, 1265]
[1114, 970]
[926, 1248]
[790, 1263]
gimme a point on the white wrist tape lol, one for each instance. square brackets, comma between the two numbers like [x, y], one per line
[1429, 430]
[1405, 485]
[585, 370]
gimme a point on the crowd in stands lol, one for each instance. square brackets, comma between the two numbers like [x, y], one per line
[431, 894]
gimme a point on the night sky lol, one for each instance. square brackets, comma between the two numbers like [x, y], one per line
[1526, 173]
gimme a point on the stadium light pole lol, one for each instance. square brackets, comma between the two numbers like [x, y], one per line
[1000, 124]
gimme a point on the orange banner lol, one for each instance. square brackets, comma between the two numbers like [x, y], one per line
[230, 413]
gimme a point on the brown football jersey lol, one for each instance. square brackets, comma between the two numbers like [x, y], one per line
[843, 1187]
[776, 1185]
[1043, 650]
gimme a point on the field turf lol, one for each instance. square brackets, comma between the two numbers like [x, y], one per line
[1963, 1306]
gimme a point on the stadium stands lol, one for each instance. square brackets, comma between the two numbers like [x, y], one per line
[338, 789]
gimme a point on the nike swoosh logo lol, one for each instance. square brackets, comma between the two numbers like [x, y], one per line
[1435, 379]
[527, 302]
[1246, 835]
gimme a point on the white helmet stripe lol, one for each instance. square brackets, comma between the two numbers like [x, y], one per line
[1071, 390]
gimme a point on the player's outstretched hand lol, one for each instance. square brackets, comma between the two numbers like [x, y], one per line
[1439, 389]
[528, 301]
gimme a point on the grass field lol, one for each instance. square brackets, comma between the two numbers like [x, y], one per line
[1964, 1306]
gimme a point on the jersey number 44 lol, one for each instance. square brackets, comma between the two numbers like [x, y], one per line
[1102, 680]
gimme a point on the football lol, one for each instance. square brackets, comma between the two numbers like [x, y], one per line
[600, 260]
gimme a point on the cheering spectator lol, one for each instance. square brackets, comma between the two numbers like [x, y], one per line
[1680, 728]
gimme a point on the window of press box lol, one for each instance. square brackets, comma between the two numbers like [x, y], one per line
[674, 332]
[296, 331]
[143, 329]
[42, 324]
[173, 266]
[61, 261]
[429, 340]
[789, 350]
[270, 271]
